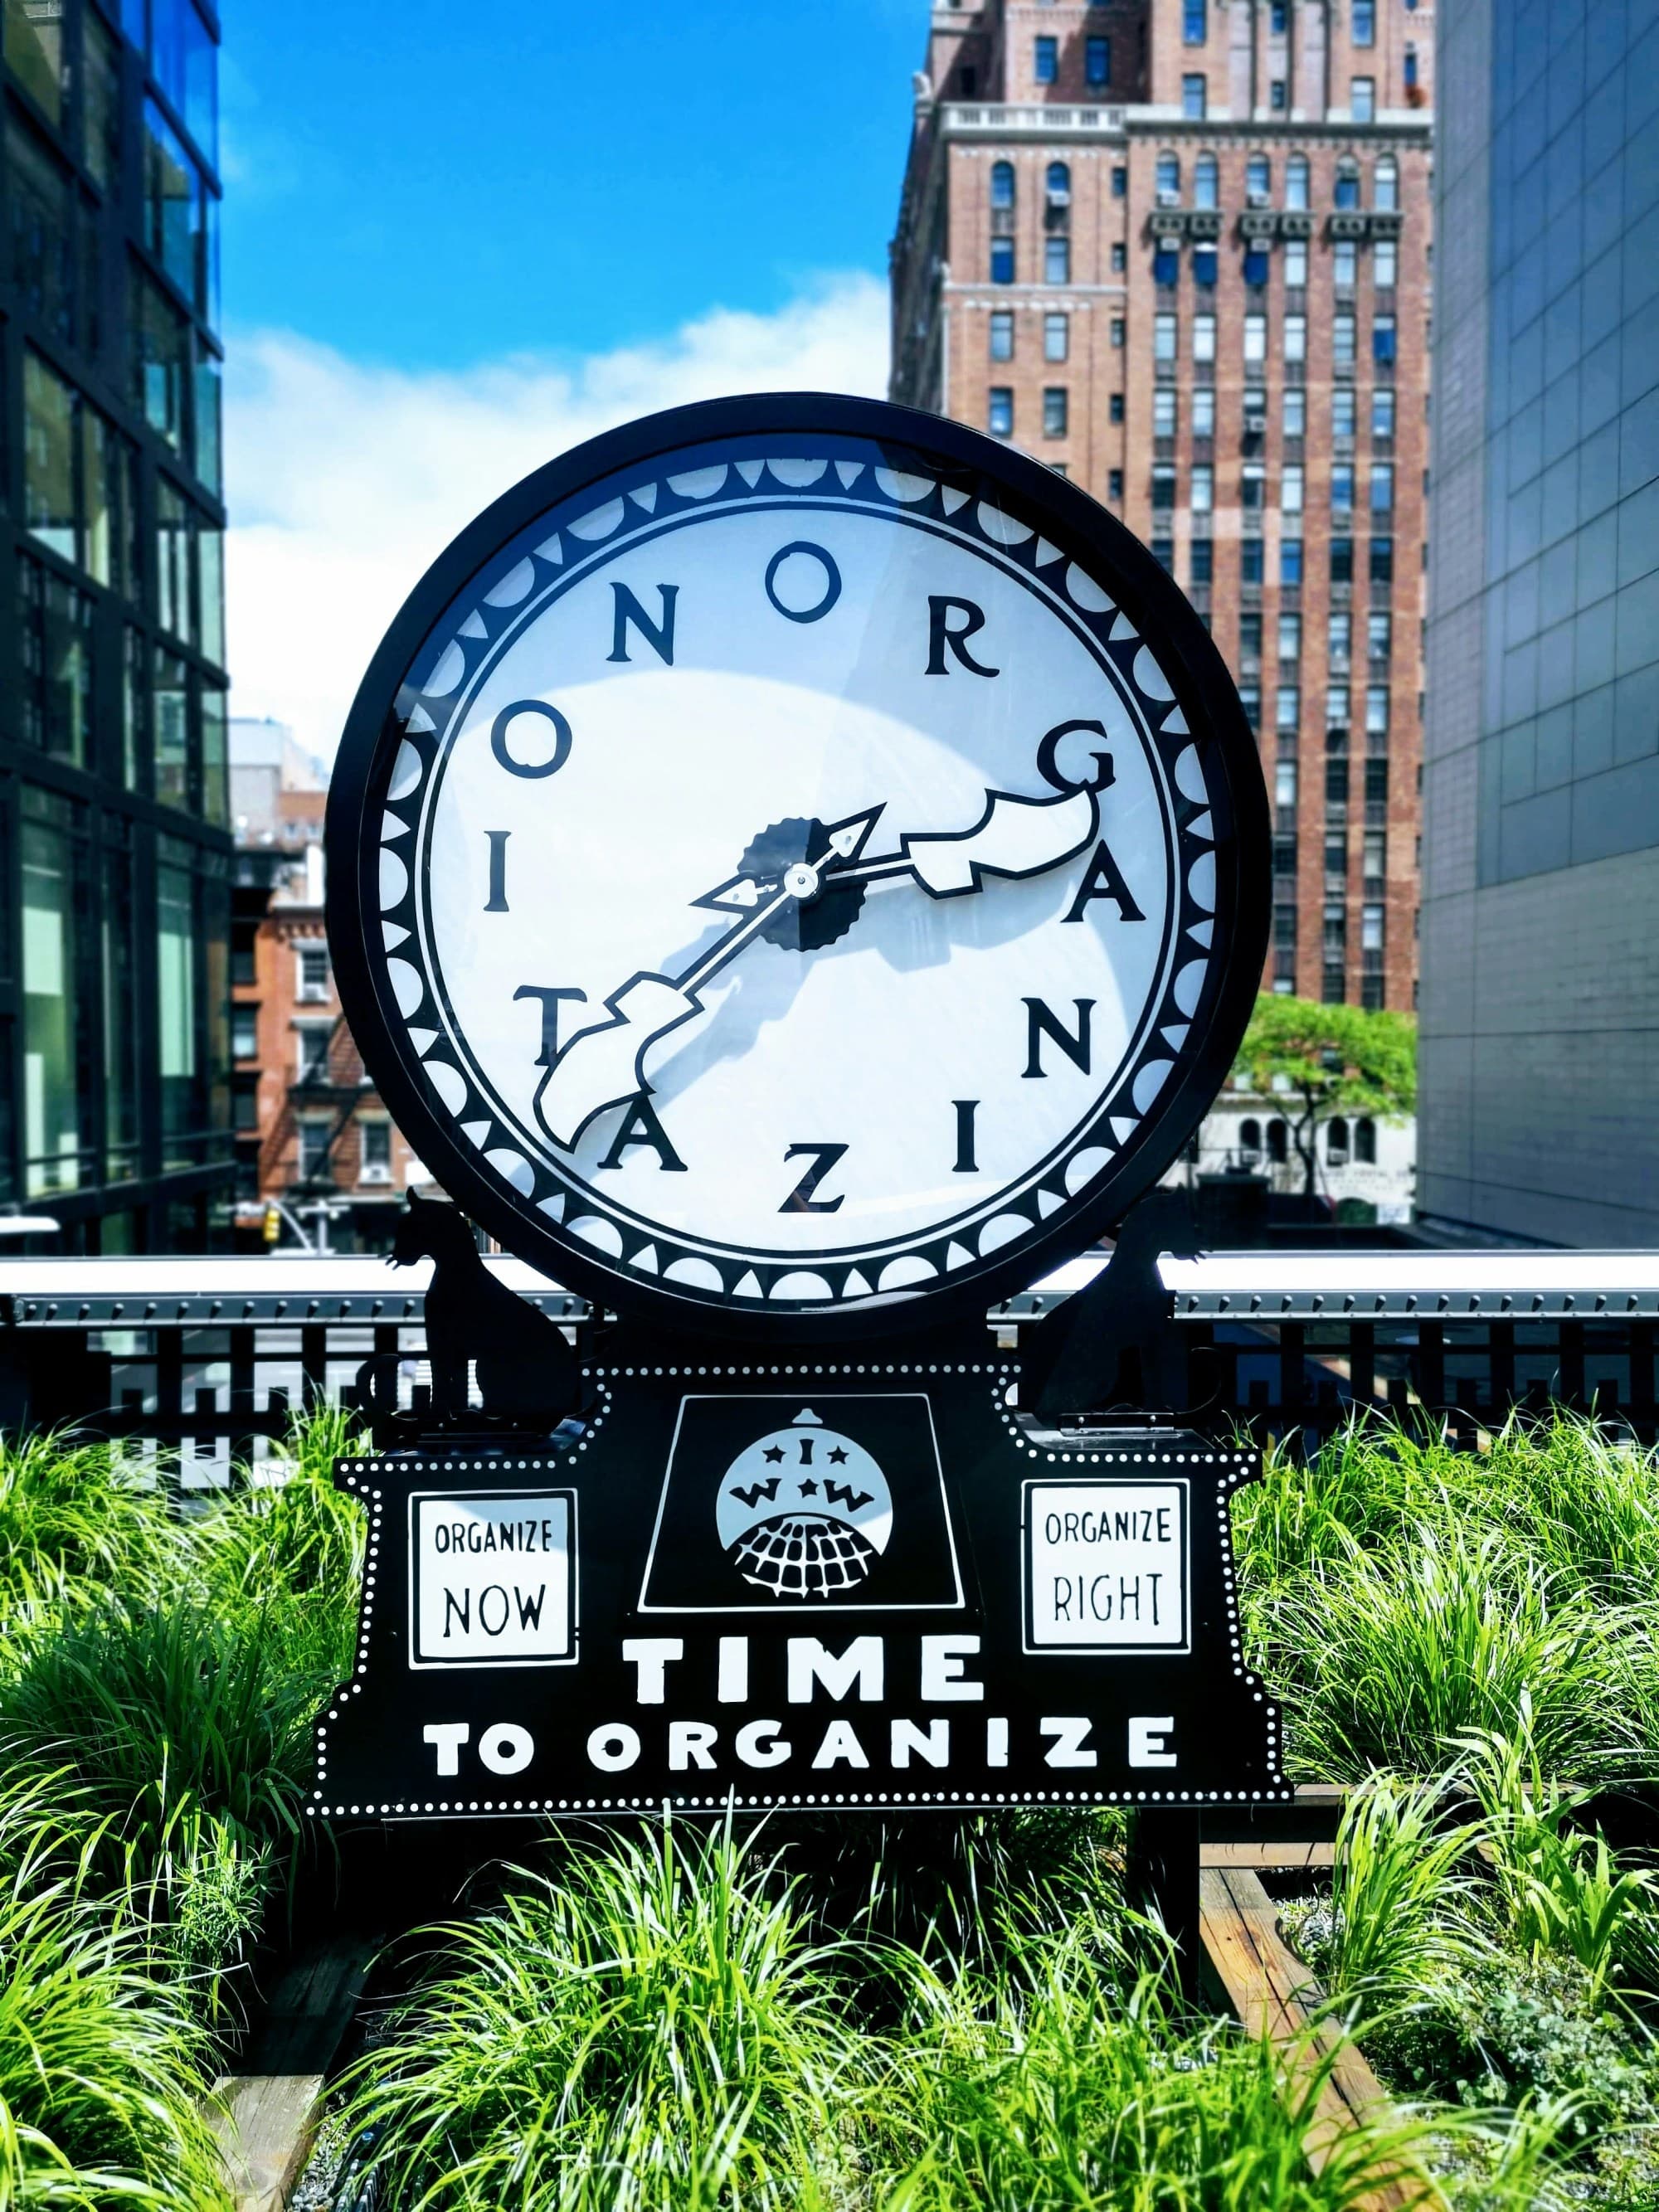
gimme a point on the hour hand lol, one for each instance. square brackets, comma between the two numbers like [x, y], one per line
[837, 845]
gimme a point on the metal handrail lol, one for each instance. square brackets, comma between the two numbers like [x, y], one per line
[279, 1290]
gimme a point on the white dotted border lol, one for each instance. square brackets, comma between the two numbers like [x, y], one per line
[1242, 1467]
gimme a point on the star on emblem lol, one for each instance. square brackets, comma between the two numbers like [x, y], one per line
[809, 1488]
[773, 1452]
[837, 1455]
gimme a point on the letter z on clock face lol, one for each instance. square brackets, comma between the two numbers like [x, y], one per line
[794, 858]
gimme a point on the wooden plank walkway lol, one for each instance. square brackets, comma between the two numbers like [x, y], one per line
[1268, 1988]
[267, 2118]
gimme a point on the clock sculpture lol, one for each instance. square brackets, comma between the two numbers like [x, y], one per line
[797, 870]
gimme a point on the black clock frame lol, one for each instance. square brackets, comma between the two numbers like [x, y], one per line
[1204, 691]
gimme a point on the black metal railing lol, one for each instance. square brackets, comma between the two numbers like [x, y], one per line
[208, 1359]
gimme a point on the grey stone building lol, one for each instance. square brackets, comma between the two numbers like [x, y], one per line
[1540, 1004]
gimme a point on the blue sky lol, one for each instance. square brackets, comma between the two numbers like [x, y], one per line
[459, 239]
[439, 185]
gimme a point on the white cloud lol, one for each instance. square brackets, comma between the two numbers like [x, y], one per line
[345, 480]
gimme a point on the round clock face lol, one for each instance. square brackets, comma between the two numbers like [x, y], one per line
[793, 858]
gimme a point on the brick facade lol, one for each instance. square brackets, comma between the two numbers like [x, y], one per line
[1062, 239]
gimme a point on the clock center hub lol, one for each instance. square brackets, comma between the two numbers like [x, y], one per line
[801, 881]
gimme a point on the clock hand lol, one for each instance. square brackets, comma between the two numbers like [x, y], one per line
[604, 1064]
[1013, 837]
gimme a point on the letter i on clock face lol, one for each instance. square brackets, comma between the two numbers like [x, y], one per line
[794, 860]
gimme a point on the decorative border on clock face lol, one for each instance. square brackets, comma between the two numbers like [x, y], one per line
[568, 541]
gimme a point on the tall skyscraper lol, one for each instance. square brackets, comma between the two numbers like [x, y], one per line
[1179, 249]
[114, 851]
[1539, 1040]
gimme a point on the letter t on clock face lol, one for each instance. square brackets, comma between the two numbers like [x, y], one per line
[815, 862]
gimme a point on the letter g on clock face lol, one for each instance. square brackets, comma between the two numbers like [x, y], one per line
[792, 858]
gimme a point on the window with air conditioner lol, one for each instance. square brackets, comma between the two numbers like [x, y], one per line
[374, 1164]
[311, 984]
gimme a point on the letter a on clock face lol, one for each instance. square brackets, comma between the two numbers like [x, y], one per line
[793, 860]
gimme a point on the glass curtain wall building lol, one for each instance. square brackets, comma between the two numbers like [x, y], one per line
[114, 844]
[1540, 1031]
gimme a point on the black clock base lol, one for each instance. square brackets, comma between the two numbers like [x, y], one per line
[864, 1583]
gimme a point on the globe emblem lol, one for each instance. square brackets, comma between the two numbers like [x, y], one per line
[804, 1512]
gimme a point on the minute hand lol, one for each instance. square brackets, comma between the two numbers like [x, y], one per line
[604, 1063]
[1013, 837]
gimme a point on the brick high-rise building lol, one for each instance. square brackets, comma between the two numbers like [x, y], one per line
[1180, 249]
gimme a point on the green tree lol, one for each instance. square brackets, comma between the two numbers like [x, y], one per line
[1335, 1059]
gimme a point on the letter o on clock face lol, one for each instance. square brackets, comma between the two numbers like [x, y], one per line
[797, 864]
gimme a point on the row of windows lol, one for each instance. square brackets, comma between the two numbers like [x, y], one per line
[1206, 182]
[172, 723]
[1256, 264]
[1253, 487]
[41, 51]
[83, 1002]
[1056, 411]
[1362, 94]
[81, 500]
[1338, 712]
[1293, 409]
[1278, 1142]
[1097, 61]
[1259, 182]
[1338, 637]
[1361, 21]
[172, 374]
[1252, 557]
[1293, 336]
[1056, 260]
